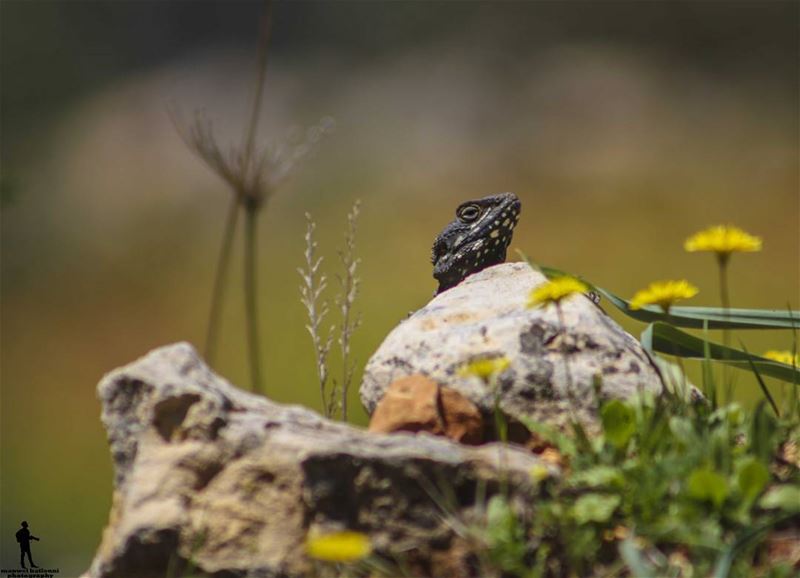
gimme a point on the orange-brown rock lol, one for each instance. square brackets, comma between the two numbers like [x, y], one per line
[410, 404]
[417, 403]
[462, 418]
[783, 547]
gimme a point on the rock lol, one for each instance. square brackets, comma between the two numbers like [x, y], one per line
[210, 479]
[417, 403]
[486, 316]
[411, 404]
[462, 419]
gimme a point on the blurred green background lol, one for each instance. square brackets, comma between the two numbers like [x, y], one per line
[624, 127]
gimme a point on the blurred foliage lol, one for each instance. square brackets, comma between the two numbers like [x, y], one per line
[623, 128]
[670, 489]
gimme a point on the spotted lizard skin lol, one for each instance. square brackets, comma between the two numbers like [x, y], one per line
[476, 239]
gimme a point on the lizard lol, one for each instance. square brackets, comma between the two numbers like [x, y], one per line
[476, 239]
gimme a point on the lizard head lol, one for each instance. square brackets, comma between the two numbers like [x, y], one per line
[476, 239]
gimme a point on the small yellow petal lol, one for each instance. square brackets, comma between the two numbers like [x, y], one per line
[783, 357]
[555, 290]
[539, 472]
[345, 546]
[723, 239]
[663, 294]
[485, 368]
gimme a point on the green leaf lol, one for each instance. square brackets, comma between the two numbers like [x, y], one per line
[732, 413]
[675, 381]
[707, 485]
[692, 317]
[752, 476]
[664, 338]
[682, 429]
[785, 497]
[594, 508]
[499, 514]
[582, 442]
[646, 338]
[599, 476]
[619, 422]
[506, 538]
[563, 443]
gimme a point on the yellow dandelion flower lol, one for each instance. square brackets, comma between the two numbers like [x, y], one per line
[663, 294]
[539, 473]
[485, 368]
[345, 546]
[555, 290]
[723, 240]
[783, 357]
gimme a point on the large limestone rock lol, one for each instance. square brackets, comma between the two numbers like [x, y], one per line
[214, 480]
[554, 372]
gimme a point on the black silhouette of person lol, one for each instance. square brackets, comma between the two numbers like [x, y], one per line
[24, 538]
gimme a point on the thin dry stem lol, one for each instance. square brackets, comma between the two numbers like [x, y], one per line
[264, 35]
[220, 277]
[252, 194]
[349, 283]
[251, 299]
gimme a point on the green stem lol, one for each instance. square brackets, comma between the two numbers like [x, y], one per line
[724, 295]
[563, 325]
[679, 361]
[220, 277]
[795, 405]
[250, 296]
[501, 425]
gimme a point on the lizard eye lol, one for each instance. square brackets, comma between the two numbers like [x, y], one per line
[469, 213]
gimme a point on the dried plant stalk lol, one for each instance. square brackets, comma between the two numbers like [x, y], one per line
[349, 283]
[313, 285]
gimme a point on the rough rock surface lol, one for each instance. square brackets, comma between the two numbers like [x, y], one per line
[417, 403]
[211, 479]
[486, 316]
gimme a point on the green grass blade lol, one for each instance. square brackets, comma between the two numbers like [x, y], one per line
[672, 341]
[723, 565]
[693, 317]
[761, 383]
[745, 539]
[634, 560]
